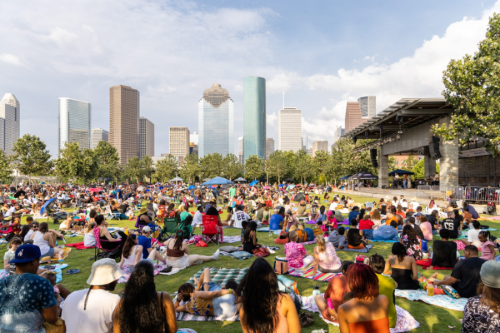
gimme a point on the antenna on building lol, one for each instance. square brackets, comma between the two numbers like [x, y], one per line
[283, 99]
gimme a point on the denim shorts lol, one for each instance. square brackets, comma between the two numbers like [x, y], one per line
[50, 253]
[223, 305]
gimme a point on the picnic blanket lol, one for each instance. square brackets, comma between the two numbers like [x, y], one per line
[183, 316]
[308, 274]
[58, 270]
[79, 246]
[366, 249]
[222, 275]
[443, 301]
[383, 241]
[232, 239]
[405, 321]
[127, 270]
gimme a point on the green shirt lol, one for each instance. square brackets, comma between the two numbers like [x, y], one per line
[386, 287]
[183, 215]
[232, 192]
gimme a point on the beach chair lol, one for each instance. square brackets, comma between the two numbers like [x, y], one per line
[99, 251]
[110, 215]
[210, 232]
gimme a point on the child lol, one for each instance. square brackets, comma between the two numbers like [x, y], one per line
[10, 254]
[487, 247]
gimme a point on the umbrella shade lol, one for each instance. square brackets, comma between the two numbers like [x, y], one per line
[97, 189]
[266, 187]
[254, 183]
[46, 205]
[42, 183]
[140, 188]
[344, 178]
[401, 172]
[281, 185]
[191, 187]
[177, 179]
[241, 179]
[364, 175]
[218, 181]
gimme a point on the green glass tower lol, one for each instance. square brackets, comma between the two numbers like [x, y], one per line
[254, 116]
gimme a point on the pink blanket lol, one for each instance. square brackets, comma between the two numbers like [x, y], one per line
[79, 246]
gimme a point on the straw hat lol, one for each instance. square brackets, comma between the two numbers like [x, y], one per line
[104, 271]
[143, 210]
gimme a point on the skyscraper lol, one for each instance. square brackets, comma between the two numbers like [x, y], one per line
[353, 116]
[319, 145]
[124, 111]
[241, 150]
[74, 122]
[290, 129]
[146, 138]
[368, 106]
[98, 135]
[254, 116]
[193, 137]
[179, 142]
[269, 147]
[10, 122]
[216, 122]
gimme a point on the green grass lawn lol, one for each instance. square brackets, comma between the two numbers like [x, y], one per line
[431, 318]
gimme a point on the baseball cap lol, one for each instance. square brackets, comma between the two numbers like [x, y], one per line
[26, 253]
[146, 229]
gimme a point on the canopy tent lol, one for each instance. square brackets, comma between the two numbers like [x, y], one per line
[177, 179]
[401, 172]
[218, 181]
[191, 187]
[241, 179]
[345, 177]
[364, 175]
[254, 183]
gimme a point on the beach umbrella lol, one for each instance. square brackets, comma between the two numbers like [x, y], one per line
[254, 183]
[47, 205]
[177, 179]
[191, 187]
[240, 179]
[96, 189]
[218, 181]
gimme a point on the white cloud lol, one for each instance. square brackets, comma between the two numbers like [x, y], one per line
[10, 59]
[271, 120]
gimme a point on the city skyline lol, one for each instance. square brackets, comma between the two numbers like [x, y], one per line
[254, 117]
[75, 118]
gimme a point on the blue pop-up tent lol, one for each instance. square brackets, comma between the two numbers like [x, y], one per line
[254, 183]
[218, 181]
[191, 187]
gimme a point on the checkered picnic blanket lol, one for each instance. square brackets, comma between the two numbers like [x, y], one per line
[307, 274]
[222, 275]
[183, 316]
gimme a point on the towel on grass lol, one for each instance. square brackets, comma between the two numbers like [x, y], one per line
[232, 239]
[222, 275]
[383, 241]
[444, 301]
[307, 274]
[366, 249]
[79, 246]
[58, 270]
[127, 270]
[183, 316]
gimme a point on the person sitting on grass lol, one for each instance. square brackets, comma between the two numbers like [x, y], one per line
[426, 228]
[229, 216]
[336, 290]
[473, 235]
[9, 255]
[277, 219]
[354, 213]
[386, 286]
[402, 268]
[355, 239]
[465, 275]
[263, 307]
[296, 254]
[33, 226]
[487, 247]
[142, 308]
[445, 251]
[206, 298]
[337, 238]
[325, 257]
[368, 310]
[145, 241]
[386, 232]
[411, 242]
[178, 253]
[46, 240]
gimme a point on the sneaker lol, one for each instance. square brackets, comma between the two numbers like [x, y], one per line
[216, 255]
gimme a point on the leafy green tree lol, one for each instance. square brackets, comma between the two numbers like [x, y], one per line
[166, 168]
[290, 158]
[5, 168]
[303, 166]
[73, 163]
[231, 167]
[134, 169]
[31, 157]
[108, 161]
[147, 167]
[254, 166]
[348, 162]
[320, 162]
[392, 163]
[190, 168]
[212, 165]
[471, 86]
[419, 169]
[277, 165]
[410, 163]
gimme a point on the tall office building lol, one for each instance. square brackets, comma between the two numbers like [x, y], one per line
[193, 149]
[124, 111]
[269, 147]
[241, 150]
[319, 145]
[290, 129]
[193, 137]
[179, 142]
[368, 106]
[254, 116]
[215, 122]
[304, 142]
[353, 116]
[98, 135]
[74, 122]
[338, 133]
[309, 152]
[10, 122]
[146, 138]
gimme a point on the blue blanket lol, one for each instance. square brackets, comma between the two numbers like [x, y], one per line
[366, 249]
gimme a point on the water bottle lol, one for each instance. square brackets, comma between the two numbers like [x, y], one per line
[315, 292]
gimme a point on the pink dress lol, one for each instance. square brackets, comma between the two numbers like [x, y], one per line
[328, 259]
[295, 254]
[487, 254]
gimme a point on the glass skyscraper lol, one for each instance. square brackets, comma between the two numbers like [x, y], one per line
[216, 122]
[74, 122]
[254, 116]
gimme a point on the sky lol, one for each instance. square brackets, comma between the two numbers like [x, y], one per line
[320, 53]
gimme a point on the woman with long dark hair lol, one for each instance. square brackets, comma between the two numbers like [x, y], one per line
[142, 308]
[264, 308]
[404, 268]
[411, 242]
[132, 252]
[178, 252]
[109, 243]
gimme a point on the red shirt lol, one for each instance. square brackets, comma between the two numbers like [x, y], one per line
[365, 224]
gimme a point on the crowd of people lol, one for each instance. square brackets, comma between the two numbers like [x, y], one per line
[359, 299]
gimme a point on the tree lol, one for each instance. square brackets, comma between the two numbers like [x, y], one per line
[348, 162]
[108, 161]
[471, 87]
[190, 168]
[320, 162]
[303, 167]
[409, 163]
[419, 169]
[277, 165]
[392, 163]
[5, 168]
[166, 168]
[147, 167]
[254, 166]
[211, 165]
[134, 169]
[75, 163]
[31, 157]
[231, 167]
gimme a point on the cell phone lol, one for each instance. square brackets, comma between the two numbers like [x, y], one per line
[329, 302]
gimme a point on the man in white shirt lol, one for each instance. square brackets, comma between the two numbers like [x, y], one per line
[197, 218]
[238, 217]
[91, 310]
[9, 212]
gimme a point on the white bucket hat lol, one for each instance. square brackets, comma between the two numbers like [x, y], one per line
[104, 271]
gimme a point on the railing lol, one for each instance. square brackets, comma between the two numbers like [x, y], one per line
[478, 194]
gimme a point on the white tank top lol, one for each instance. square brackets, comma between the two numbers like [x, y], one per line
[42, 243]
[130, 261]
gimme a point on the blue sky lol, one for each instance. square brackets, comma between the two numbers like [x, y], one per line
[322, 53]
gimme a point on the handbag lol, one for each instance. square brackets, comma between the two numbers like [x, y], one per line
[280, 265]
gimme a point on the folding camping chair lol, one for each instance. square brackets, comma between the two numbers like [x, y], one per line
[209, 232]
[110, 215]
[169, 227]
[100, 251]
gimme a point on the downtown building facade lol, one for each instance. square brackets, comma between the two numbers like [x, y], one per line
[241, 150]
[124, 112]
[254, 117]
[353, 116]
[10, 123]
[290, 129]
[74, 122]
[368, 106]
[146, 138]
[319, 145]
[269, 147]
[215, 122]
[98, 135]
[179, 145]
